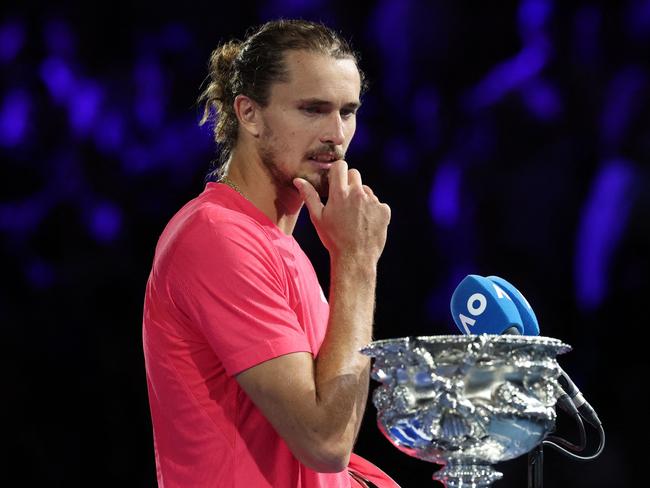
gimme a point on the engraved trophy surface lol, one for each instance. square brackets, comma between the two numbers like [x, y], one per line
[466, 401]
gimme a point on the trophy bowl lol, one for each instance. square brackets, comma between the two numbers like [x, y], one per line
[466, 401]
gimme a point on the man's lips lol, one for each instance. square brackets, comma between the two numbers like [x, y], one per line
[324, 160]
[321, 164]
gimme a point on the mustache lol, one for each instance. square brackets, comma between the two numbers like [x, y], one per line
[327, 149]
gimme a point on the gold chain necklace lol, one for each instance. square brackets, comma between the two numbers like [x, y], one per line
[227, 181]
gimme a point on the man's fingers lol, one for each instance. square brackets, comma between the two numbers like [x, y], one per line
[310, 196]
[387, 210]
[338, 177]
[354, 177]
[369, 191]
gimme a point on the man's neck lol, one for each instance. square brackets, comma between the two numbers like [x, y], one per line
[281, 204]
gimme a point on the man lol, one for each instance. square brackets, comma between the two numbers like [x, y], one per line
[254, 379]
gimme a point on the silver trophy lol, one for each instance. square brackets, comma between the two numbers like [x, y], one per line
[466, 402]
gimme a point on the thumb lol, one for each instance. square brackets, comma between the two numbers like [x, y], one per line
[310, 196]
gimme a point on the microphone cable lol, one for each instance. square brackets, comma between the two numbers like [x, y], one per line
[575, 404]
[567, 452]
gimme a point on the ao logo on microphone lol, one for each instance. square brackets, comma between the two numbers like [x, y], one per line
[481, 306]
[476, 305]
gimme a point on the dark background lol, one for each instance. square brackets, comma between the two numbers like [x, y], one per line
[509, 138]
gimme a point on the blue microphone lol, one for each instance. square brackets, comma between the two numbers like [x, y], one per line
[528, 317]
[481, 306]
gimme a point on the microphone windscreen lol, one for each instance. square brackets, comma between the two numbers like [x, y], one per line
[480, 306]
[528, 317]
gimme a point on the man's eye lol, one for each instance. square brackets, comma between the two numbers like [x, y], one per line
[346, 114]
[311, 110]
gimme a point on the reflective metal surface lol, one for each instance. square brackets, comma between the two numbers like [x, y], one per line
[466, 401]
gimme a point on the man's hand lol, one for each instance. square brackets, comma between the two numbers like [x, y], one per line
[353, 222]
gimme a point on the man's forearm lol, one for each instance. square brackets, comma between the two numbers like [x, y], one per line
[342, 373]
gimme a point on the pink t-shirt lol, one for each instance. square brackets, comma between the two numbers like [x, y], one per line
[227, 291]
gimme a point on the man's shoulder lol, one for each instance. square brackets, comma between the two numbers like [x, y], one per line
[216, 216]
[205, 231]
[214, 220]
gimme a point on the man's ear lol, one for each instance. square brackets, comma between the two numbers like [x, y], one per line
[248, 114]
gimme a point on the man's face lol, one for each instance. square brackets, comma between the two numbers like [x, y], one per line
[310, 120]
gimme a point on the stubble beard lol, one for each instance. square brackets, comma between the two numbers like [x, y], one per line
[282, 181]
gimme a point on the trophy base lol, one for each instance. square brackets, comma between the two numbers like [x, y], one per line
[456, 475]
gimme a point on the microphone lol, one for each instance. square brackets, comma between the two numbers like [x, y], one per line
[528, 317]
[481, 306]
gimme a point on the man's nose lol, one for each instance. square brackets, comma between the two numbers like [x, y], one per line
[333, 130]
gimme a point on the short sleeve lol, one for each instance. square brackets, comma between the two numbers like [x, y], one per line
[232, 283]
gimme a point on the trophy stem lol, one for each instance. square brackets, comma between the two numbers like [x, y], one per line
[465, 475]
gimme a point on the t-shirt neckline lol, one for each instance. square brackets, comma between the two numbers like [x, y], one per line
[250, 209]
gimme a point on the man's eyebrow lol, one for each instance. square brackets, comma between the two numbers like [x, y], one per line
[317, 102]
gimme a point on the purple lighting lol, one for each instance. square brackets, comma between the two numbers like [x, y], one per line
[12, 38]
[390, 30]
[399, 155]
[621, 103]
[444, 199]
[637, 18]
[109, 132]
[533, 15]
[84, 107]
[58, 77]
[426, 112]
[602, 225]
[14, 115]
[150, 93]
[21, 217]
[106, 222]
[509, 75]
[137, 158]
[542, 100]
